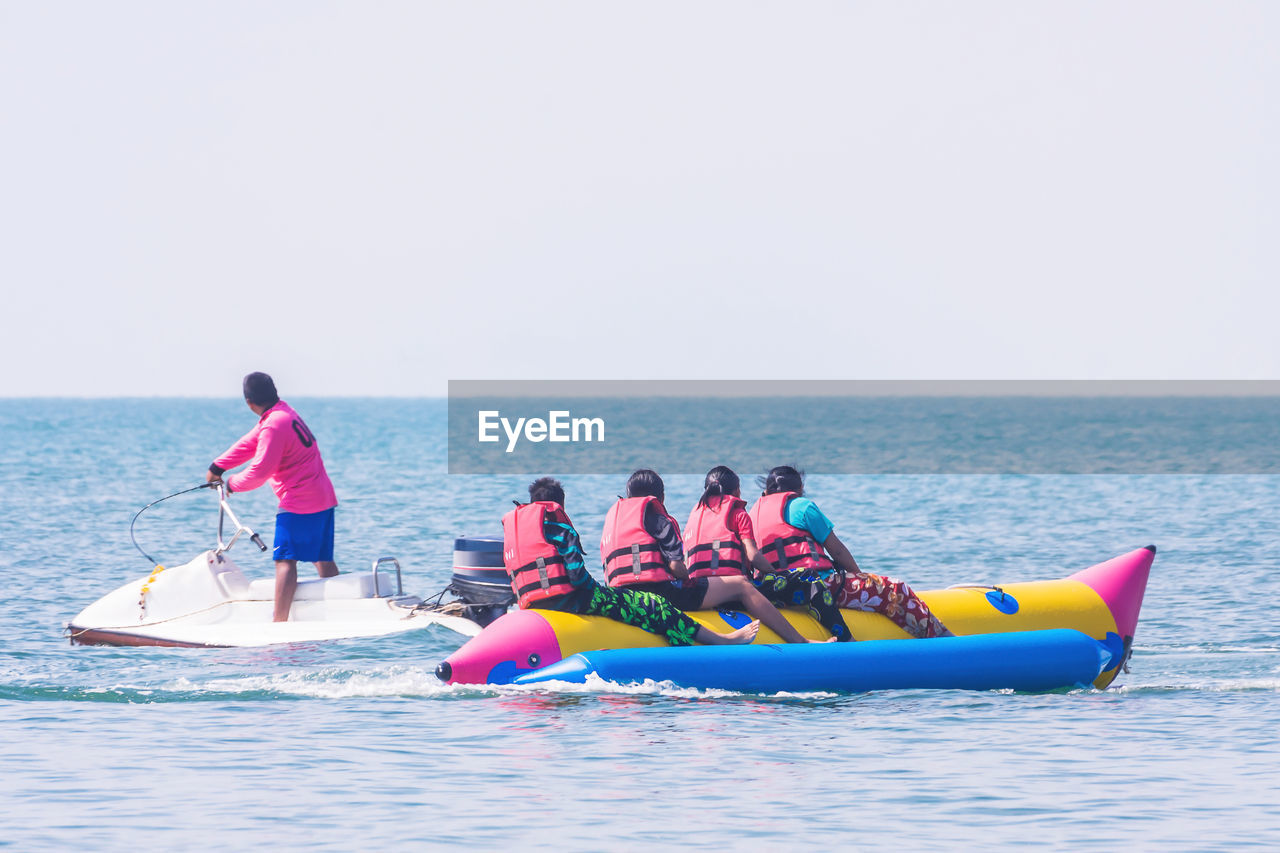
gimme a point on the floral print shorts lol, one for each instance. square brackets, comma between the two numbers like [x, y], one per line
[891, 597]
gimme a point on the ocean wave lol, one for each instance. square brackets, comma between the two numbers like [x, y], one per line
[1235, 685]
[1205, 648]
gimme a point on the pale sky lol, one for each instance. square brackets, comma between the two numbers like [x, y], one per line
[374, 198]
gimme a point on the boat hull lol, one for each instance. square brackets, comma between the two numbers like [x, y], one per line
[209, 603]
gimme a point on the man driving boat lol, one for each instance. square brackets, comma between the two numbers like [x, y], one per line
[281, 450]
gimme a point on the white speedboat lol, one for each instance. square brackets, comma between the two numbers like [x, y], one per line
[209, 602]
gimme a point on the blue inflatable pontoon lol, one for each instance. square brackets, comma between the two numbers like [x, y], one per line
[1031, 661]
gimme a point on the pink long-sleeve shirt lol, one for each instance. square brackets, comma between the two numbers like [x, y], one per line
[285, 453]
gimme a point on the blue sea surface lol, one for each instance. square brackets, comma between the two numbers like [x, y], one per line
[356, 745]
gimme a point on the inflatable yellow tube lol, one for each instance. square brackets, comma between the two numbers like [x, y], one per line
[1102, 601]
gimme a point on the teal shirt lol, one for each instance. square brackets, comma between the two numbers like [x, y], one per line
[565, 540]
[804, 513]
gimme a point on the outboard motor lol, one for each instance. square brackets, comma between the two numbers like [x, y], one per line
[480, 579]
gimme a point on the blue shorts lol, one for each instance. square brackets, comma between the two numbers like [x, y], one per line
[304, 536]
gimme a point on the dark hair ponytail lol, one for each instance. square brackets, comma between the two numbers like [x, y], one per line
[784, 478]
[720, 481]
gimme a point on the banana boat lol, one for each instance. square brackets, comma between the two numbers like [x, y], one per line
[1101, 603]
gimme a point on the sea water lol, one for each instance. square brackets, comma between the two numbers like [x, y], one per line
[356, 745]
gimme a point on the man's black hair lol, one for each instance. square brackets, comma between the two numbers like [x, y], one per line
[546, 489]
[260, 390]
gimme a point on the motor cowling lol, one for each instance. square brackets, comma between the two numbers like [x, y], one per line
[480, 579]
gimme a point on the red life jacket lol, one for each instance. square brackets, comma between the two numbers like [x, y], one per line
[789, 549]
[536, 569]
[712, 549]
[630, 553]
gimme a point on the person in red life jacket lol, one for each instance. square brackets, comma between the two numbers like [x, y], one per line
[642, 550]
[281, 450]
[799, 540]
[544, 559]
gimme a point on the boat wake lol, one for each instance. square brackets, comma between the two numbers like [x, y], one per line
[413, 682]
[405, 682]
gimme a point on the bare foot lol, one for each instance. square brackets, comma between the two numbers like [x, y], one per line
[745, 634]
[827, 640]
